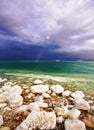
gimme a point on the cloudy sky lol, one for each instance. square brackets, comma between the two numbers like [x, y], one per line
[47, 29]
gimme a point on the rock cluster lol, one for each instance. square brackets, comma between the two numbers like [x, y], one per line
[44, 106]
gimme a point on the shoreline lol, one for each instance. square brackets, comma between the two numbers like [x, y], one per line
[72, 83]
[23, 101]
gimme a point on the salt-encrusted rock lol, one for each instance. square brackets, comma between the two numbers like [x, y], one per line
[9, 83]
[14, 100]
[38, 81]
[2, 98]
[81, 104]
[33, 106]
[46, 95]
[7, 109]
[74, 124]
[66, 93]
[22, 108]
[3, 105]
[39, 88]
[38, 98]
[59, 111]
[49, 91]
[77, 94]
[1, 120]
[53, 94]
[38, 120]
[15, 89]
[57, 88]
[59, 119]
[41, 104]
[74, 113]
[6, 88]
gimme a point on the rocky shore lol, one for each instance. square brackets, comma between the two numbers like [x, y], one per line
[40, 105]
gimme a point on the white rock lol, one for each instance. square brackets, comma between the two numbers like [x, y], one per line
[57, 88]
[38, 81]
[2, 98]
[53, 94]
[74, 124]
[16, 89]
[33, 106]
[6, 88]
[81, 104]
[14, 100]
[49, 91]
[1, 120]
[3, 105]
[77, 94]
[39, 88]
[38, 98]
[74, 113]
[46, 95]
[22, 108]
[66, 93]
[38, 120]
[59, 119]
[41, 104]
[59, 111]
[7, 109]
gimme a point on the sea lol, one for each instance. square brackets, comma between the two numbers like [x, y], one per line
[80, 72]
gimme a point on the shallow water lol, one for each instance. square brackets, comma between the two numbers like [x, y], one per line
[80, 74]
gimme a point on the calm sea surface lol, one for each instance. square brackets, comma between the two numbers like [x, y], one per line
[50, 67]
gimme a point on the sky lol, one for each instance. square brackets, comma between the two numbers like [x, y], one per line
[47, 29]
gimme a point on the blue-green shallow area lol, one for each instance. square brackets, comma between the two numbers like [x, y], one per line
[75, 70]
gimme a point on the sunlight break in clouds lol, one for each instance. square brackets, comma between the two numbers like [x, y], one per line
[67, 23]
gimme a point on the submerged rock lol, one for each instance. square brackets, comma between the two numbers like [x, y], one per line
[74, 124]
[81, 104]
[39, 88]
[57, 88]
[38, 120]
[38, 81]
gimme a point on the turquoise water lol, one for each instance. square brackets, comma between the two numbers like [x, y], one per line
[84, 69]
[64, 69]
[48, 67]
